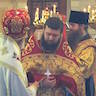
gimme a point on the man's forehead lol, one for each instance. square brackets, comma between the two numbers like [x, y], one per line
[74, 24]
[71, 23]
[47, 29]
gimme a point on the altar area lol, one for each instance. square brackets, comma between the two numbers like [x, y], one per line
[39, 11]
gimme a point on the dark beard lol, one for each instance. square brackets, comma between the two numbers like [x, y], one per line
[50, 48]
[73, 39]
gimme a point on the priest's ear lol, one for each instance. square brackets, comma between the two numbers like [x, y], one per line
[82, 26]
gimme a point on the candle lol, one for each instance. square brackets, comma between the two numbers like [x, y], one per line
[26, 7]
[54, 8]
[51, 13]
[84, 10]
[89, 8]
[42, 15]
[93, 12]
[37, 14]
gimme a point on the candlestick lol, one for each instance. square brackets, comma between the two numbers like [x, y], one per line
[51, 13]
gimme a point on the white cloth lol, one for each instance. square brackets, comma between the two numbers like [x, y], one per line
[12, 77]
[10, 84]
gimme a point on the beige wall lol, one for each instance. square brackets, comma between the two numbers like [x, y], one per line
[4, 5]
[80, 4]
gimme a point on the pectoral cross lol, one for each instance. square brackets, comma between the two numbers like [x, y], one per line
[47, 73]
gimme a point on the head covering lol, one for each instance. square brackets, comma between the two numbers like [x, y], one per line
[15, 23]
[79, 17]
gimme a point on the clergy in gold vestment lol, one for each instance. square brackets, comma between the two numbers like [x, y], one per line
[83, 47]
[51, 62]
